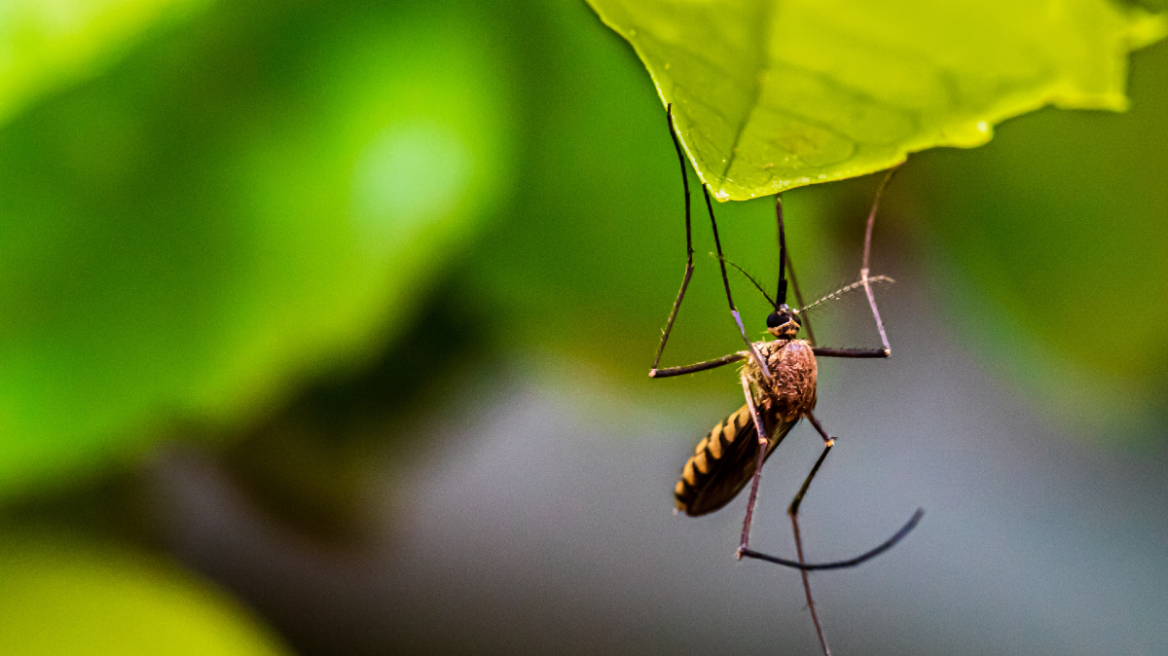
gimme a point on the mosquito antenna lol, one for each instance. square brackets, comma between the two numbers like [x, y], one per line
[752, 281]
[844, 290]
[781, 294]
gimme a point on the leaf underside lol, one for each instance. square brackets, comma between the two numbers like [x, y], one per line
[769, 95]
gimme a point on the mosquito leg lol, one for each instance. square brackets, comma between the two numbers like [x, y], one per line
[828, 442]
[701, 366]
[865, 280]
[842, 564]
[867, 253]
[851, 353]
[689, 266]
[758, 359]
[793, 511]
[827, 439]
[744, 544]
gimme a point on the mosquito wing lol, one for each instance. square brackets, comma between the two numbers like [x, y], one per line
[725, 460]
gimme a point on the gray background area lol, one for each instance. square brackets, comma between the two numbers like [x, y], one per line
[540, 522]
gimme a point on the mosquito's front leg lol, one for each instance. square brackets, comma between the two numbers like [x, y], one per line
[689, 265]
[758, 359]
[851, 353]
[701, 366]
[866, 281]
[654, 372]
[884, 352]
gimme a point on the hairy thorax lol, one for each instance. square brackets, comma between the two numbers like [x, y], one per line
[790, 391]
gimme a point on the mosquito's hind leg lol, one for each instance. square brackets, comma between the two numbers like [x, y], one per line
[865, 280]
[801, 564]
[793, 513]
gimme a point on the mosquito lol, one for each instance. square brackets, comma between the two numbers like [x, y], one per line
[778, 380]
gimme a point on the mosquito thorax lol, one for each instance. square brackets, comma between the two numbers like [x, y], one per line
[782, 323]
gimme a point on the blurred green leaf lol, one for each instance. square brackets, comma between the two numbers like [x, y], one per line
[772, 95]
[1052, 241]
[45, 46]
[63, 596]
[263, 195]
[591, 255]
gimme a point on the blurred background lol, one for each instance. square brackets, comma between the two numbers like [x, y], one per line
[324, 329]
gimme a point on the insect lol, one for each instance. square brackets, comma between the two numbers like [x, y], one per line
[779, 385]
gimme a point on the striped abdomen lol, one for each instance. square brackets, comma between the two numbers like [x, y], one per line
[725, 460]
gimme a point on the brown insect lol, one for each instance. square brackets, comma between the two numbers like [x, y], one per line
[779, 383]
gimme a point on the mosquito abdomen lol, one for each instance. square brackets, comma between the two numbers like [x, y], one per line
[723, 462]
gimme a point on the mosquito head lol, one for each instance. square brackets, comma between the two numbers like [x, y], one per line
[782, 323]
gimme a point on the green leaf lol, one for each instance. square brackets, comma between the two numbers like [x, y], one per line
[62, 596]
[45, 46]
[261, 198]
[773, 95]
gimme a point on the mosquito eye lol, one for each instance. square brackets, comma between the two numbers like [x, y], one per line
[775, 320]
